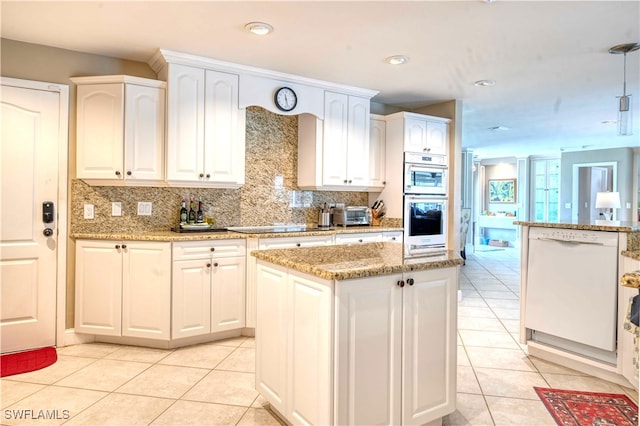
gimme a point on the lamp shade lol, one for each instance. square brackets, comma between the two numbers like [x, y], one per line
[608, 200]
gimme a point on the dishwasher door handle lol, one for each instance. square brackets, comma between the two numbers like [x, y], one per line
[571, 242]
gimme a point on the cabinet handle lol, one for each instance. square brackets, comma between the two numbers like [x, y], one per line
[345, 181]
[212, 249]
[350, 181]
[129, 173]
[215, 264]
[360, 240]
[208, 265]
[384, 182]
[400, 283]
[297, 244]
[201, 175]
[208, 175]
[410, 281]
[117, 246]
[393, 238]
[117, 172]
[124, 246]
[426, 149]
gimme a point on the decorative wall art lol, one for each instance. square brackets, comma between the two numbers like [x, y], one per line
[502, 190]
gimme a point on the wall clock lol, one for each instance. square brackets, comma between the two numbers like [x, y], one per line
[285, 99]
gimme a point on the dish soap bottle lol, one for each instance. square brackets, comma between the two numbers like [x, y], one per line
[183, 212]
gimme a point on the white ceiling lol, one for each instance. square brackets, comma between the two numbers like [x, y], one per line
[555, 80]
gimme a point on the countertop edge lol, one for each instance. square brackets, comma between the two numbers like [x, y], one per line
[632, 254]
[625, 227]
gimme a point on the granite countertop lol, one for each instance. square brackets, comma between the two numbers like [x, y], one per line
[343, 262]
[194, 236]
[633, 254]
[597, 225]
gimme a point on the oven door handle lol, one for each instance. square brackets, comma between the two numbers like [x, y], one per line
[434, 197]
[426, 167]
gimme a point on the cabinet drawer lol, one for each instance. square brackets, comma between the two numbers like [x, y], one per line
[290, 242]
[185, 250]
[360, 237]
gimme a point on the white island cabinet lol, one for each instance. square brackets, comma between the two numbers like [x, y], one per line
[376, 348]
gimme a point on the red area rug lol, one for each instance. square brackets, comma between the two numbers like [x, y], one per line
[23, 362]
[576, 408]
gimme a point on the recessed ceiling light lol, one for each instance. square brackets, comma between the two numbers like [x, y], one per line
[259, 28]
[485, 83]
[397, 60]
[498, 128]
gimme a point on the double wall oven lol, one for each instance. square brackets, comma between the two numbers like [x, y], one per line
[425, 202]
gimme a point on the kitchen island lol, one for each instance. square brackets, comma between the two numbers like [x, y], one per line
[357, 334]
[572, 307]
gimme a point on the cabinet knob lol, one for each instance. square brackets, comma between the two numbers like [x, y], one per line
[410, 281]
[117, 173]
[345, 181]
[350, 181]
[129, 173]
[360, 240]
[393, 238]
[201, 175]
[215, 264]
[117, 246]
[124, 246]
[400, 283]
[297, 244]
[208, 175]
[208, 265]
[384, 182]
[212, 249]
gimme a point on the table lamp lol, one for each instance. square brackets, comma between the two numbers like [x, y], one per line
[608, 201]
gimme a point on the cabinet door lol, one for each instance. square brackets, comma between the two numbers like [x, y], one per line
[415, 134]
[368, 363]
[224, 137]
[146, 290]
[358, 141]
[310, 370]
[273, 323]
[334, 147]
[185, 123]
[429, 345]
[227, 293]
[99, 153]
[377, 148]
[437, 137]
[191, 298]
[98, 287]
[144, 132]
[627, 357]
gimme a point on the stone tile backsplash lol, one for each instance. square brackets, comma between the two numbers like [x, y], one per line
[270, 193]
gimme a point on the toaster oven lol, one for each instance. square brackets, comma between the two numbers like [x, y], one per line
[351, 215]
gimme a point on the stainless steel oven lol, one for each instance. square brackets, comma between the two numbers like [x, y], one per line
[425, 173]
[425, 223]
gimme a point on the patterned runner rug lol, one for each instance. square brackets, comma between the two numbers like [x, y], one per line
[577, 408]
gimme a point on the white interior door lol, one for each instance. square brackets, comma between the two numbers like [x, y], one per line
[30, 124]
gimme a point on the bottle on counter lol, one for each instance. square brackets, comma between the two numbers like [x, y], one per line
[192, 213]
[184, 214]
[199, 214]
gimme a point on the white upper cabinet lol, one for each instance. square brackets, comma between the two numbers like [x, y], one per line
[421, 133]
[333, 154]
[377, 151]
[120, 130]
[206, 128]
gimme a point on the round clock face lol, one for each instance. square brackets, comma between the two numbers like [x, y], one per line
[285, 99]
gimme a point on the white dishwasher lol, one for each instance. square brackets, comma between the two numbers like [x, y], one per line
[571, 290]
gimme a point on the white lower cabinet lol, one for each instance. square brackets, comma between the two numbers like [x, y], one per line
[294, 344]
[626, 344]
[208, 287]
[394, 360]
[273, 243]
[123, 288]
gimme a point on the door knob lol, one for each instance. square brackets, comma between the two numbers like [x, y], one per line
[47, 232]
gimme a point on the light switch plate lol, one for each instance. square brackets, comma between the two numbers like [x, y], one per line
[88, 211]
[144, 208]
[116, 208]
[628, 205]
[567, 205]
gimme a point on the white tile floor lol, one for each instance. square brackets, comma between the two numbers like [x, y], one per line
[212, 384]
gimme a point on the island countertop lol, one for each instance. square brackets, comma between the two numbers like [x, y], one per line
[351, 261]
[593, 225]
